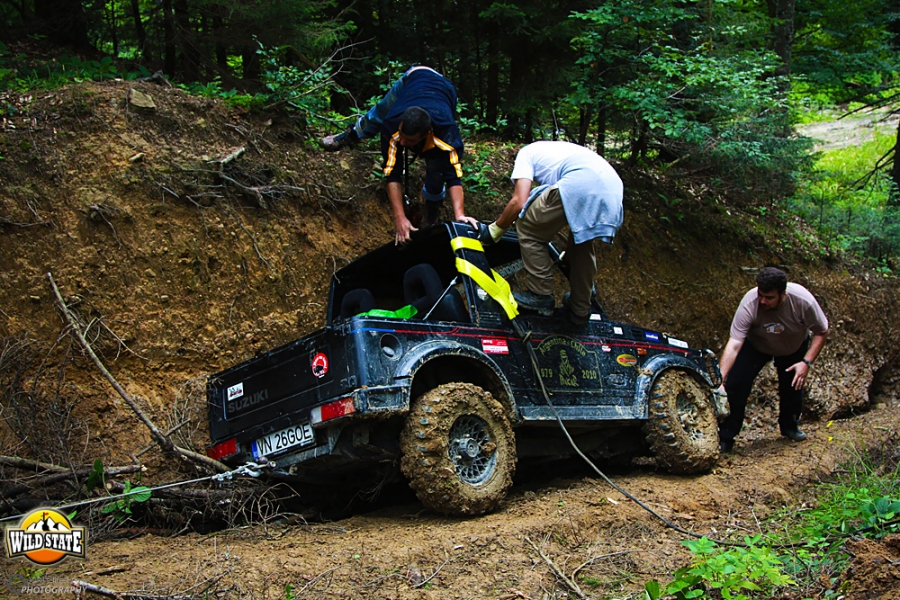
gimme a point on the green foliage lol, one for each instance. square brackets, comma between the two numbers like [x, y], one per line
[848, 203]
[736, 573]
[120, 506]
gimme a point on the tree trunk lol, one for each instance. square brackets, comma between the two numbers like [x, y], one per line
[601, 130]
[140, 33]
[894, 195]
[783, 32]
[170, 61]
[186, 41]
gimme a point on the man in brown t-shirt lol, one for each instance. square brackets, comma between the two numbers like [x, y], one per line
[775, 319]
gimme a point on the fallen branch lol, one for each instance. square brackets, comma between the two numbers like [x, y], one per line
[56, 477]
[158, 436]
[102, 591]
[571, 584]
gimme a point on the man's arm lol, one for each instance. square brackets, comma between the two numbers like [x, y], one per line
[729, 355]
[801, 369]
[456, 201]
[402, 226]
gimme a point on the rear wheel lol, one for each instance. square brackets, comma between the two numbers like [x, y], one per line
[458, 450]
[682, 429]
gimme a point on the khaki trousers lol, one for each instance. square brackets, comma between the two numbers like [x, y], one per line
[544, 218]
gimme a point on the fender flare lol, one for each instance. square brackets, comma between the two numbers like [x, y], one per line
[651, 370]
[423, 353]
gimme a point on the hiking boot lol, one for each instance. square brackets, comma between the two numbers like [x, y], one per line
[333, 143]
[794, 434]
[726, 446]
[543, 305]
[574, 318]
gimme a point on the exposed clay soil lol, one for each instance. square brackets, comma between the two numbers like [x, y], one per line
[182, 265]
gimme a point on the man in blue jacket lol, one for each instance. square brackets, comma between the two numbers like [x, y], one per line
[576, 188]
[417, 113]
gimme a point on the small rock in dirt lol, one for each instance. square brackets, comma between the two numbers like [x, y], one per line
[140, 99]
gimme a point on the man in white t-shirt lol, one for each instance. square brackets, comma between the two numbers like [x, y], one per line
[772, 323]
[578, 188]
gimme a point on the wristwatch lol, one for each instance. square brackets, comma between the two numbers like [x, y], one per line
[808, 364]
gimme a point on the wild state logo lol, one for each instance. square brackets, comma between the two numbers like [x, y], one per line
[45, 536]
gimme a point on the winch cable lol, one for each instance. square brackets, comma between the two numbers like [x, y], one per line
[525, 337]
[249, 469]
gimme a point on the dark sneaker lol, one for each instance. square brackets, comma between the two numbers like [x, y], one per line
[726, 446]
[573, 318]
[794, 434]
[333, 143]
[538, 303]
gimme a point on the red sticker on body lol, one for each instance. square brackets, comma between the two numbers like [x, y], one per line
[320, 365]
[494, 346]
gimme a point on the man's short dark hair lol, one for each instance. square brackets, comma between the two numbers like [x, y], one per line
[770, 279]
[415, 121]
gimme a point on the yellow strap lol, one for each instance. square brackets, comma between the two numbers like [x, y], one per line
[495, 286]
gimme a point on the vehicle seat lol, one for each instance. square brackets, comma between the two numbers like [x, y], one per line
[421, 288]
[451, 308]
[356, 301]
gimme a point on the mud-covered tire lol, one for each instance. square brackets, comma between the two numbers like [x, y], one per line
[682, 429]
[458, 450]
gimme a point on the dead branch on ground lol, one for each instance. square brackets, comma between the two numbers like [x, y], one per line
[158, 436]
[559, 573]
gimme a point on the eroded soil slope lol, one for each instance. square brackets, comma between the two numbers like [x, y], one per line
[189, 236]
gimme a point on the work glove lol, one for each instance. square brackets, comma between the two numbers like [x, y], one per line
[490, 234]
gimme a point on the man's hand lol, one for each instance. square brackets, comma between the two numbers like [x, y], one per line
[470, 220]
[490, 234]
[402, 229]
[801, 370]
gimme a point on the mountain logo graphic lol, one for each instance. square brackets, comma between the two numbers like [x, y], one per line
[45, 536]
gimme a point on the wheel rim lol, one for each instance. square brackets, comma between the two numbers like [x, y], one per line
[689, 417]
[471, 449]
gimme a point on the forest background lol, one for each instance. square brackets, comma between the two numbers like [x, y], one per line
[709, 87]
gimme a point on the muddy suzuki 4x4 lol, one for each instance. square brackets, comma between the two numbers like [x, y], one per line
[422, 367]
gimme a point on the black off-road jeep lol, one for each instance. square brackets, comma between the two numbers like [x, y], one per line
[421, 367]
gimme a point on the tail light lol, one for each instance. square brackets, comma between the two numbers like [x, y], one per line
[332, 410]
[223, 449]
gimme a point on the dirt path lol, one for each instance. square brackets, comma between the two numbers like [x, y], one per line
[850, 130]
[603, 542]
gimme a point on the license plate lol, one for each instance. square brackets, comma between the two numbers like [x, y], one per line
[298, 435]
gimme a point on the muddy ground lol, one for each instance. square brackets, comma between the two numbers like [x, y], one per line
[189, 236]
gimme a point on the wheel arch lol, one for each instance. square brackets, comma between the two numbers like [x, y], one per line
[433, 364]
[653, 368]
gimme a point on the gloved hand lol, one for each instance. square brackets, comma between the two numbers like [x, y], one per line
[489, 234]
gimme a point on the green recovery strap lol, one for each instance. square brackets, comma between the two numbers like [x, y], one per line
[495, 286]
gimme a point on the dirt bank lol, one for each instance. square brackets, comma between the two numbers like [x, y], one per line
[189, 236]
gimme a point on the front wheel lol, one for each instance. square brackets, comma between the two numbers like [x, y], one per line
[458, 450]
[682, 429]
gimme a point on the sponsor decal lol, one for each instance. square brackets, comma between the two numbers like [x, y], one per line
[653, 337]
[45, 537]
[236, 391]
[617, 330]
[626, 360]
[677, 343]
[567, 366]
[774, 328]
[606, 348]
[320, 365]
[495, 346]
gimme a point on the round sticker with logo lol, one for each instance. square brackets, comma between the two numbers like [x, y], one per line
[320, 365]
[626, 360]
[45, 536]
